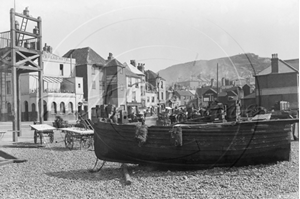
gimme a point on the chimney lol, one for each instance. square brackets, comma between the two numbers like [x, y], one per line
[110, 56]
[211, 82]
[223, 81]
[45, 47]
[141, 67]
[274, 63]
[132, 62]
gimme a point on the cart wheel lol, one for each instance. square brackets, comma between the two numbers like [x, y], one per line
[35, 137]
[87, 143]
[51, 136]
[69, 142]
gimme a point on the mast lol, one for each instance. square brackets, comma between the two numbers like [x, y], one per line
[217, 80]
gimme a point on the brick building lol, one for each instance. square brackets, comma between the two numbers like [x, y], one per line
[278, 82]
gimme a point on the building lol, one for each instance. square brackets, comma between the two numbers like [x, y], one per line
[206, 95]
[134, 90]
[62, 90]
[278, 82]
[151, 95]
[139, 69]
[182, 97]
[159, 84]
[89, 66]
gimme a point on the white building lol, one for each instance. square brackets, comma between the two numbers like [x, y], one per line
[62, 90]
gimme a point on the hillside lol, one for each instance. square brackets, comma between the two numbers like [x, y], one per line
[229, 67]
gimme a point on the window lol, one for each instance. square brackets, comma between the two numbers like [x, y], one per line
[61, 68]
[93, 70]
[153, 99]
[101, 85]
[8, 87]
[9, 108]
[79, 85]
[158, 95]
[134, 96]
[94, 85]
[53, 108]
[148, 99]
[162, 85]
[136, 84]
[62, 108]
[33, 107]
[70, 107]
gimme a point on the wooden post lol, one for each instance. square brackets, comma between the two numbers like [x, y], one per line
[14, 75]
[41, 76]
[128, 180]
[19, 112]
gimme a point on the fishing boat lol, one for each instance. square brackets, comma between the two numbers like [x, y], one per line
[195, 145]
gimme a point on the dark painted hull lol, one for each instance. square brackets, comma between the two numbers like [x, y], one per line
[204, 145]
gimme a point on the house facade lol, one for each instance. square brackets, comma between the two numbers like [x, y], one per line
[62, 90]
[159, 84]
[89, 66]
[278, 82]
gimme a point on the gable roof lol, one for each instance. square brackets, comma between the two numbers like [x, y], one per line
[113, 62]
[294, 63]
[129, 73]
[287, 66]
[134, 69]
[85, 56]
[201, 91]
[152, 75]
[184, 93]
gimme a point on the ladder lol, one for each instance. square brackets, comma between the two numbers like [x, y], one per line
[22, 28]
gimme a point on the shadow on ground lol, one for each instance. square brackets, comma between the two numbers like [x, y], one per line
[23, 145]
[85, 175]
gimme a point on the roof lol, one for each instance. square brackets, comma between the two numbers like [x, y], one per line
[113, 62]
[233, 88]
[49, 79]
[201, 91]
[193, 91]
[184, 93]
[85, 56]
[129, 73]
[283, 67]
[133, 69]
[152, 75]
[293, 62]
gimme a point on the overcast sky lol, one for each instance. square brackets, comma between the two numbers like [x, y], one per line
[161, 33]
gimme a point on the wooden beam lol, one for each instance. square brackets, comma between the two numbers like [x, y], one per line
[27, 59]
[28, 17]
[5, 61]
[28, 50]
[28, 34]
[28, 68]
[5, 55]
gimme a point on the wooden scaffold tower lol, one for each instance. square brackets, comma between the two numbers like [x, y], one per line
[21, 52]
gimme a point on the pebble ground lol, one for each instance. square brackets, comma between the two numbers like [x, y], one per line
[56, 172]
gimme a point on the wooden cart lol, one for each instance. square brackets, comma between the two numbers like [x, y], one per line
[40, 130]
[84, 136]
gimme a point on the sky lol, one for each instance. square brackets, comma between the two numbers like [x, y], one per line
[162, 33]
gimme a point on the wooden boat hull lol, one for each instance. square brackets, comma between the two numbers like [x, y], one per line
[204, 145]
